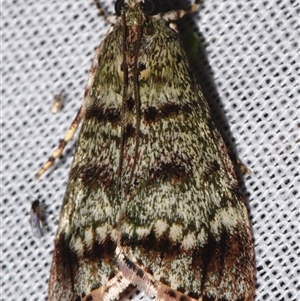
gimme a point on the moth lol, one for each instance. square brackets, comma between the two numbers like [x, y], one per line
[152, 199]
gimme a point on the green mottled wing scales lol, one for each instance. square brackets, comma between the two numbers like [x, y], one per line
[187, 199]
[170, 218]
[89, 211]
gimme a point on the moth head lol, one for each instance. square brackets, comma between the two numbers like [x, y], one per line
[148, 7]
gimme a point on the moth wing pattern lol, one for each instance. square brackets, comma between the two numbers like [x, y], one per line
[168, 217]
[84, 248]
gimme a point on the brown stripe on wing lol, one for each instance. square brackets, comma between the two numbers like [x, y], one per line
[211, 264]
[93, 174]
[111, 115]
[130, 131]
[75, 273]
[102, 251]
[102, 174]
[63, 270]
[175, 171]
[168, 110]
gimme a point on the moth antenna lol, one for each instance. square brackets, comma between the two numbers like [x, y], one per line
[175, 15]
[109, 18]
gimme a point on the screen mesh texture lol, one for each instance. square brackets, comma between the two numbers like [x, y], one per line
[249, 59]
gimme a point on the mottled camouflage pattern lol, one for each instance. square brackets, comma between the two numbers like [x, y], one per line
[152, 198]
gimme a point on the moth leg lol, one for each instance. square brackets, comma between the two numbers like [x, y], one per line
[111, 290]
[175, 15]
[101, 11]
[69, 135]
[145, 281]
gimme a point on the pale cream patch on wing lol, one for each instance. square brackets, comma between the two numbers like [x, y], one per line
[176, 232]
[102, 232]
[142, 232]
[115, 235]
[228, 217]
[160, 227]
[77, 245]
[88, 236]
[189, 241]
[202, 237]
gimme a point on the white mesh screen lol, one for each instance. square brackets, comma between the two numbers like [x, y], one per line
[252, 78]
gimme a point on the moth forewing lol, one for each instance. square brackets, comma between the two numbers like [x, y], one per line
[152, 198]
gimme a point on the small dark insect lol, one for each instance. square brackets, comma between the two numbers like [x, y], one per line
[37, 218]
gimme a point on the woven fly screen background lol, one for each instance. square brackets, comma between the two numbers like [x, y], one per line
[249, 69]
